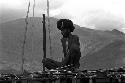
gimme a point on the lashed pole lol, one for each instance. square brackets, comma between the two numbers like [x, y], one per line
[44, 40]
[49, 28]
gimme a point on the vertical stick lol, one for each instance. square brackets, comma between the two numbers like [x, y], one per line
[33, 8]
[44, 40]
[48, 8]
[49, 29]
[24, 42]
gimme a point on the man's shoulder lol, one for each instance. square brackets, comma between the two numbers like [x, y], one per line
[75, 36]
[71, 37]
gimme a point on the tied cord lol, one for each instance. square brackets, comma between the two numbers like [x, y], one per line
[24, 42]
[50, 41]
[34, 7]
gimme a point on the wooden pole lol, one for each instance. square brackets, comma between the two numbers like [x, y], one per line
[48, 8]
[44, 40]
[50, 48]
[24, 42]
[33, 8]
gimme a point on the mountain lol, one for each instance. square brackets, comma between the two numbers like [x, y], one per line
[12, 36]
[111, 55]
[117, 32]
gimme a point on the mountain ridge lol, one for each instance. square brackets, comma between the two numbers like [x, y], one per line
[12, 36]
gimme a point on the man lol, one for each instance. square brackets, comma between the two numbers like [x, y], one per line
[71, 47]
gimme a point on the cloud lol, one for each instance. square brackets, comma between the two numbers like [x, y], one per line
[54, 4]
[11, 14]
[123, 29]
[13, 4]
[107, 13]
[99, 14]
[14, 9]
[104, 20]
[63, 15]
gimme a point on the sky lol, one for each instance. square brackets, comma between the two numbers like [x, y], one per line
[95, 14]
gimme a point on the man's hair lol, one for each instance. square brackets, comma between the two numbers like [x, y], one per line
[65, 24]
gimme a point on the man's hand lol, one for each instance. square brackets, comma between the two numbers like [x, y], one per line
[44, 60]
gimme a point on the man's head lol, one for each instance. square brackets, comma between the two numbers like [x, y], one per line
[66, 27]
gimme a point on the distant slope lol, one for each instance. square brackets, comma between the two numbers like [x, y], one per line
[112, 55]
[12, 36]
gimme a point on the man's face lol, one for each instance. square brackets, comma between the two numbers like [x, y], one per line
[65, 32]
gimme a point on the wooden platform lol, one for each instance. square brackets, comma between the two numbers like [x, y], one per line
[67, 80]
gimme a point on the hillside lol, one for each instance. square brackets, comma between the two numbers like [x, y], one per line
[12, 36]
[112, 55]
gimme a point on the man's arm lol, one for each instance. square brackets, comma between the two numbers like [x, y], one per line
[75, 44]
[75, 52]
[64, 46]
